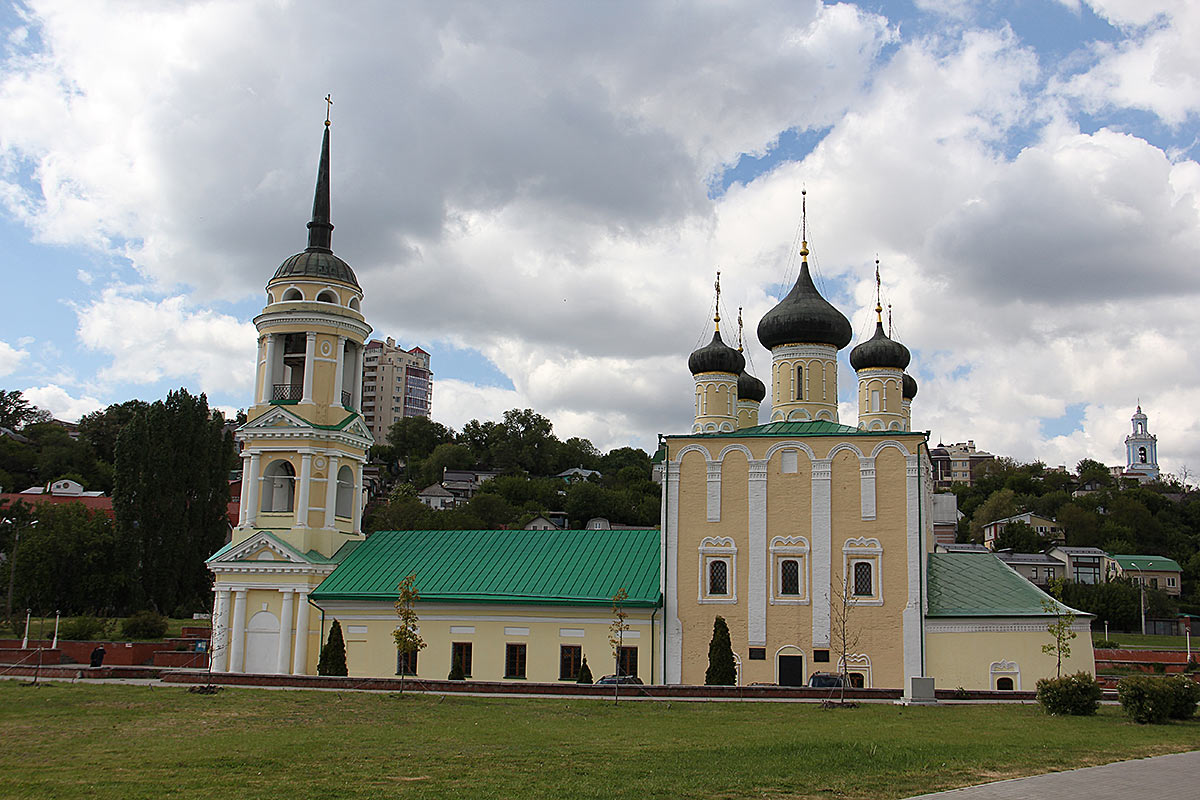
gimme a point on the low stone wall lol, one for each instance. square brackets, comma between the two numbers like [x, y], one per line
[1173, 661]
[78, 672]
[116, 653]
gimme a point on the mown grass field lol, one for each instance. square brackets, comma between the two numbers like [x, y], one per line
[65, 740]
[1136, 641]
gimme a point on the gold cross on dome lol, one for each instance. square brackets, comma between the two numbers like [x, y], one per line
[329, 107]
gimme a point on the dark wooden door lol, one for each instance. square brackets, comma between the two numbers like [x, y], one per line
[791, 670]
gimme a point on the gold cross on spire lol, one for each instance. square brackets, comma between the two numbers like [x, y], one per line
[804, 224]
[717, 315]
[739, 329]
[878, 304]
[328, 108]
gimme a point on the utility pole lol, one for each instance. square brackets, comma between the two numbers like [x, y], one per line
[1142, 593]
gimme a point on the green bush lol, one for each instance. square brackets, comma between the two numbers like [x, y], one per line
[1075, 695]
[145, 625]
[1185, 694]
[1146, 699]
[333, 653]
[1106, 644]
[1192, 666]
[82, 629]
[1160, 668]
[585, 673]
[721, 669]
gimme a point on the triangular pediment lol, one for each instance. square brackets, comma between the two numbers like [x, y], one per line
[358, 428]
[276, 417]
[261, 546]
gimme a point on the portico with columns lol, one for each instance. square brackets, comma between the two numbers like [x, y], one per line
[303, 449]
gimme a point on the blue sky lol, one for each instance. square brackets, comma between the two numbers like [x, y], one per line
[539, 197]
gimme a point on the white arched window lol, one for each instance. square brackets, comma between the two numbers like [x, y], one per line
[354, 304]
[279, 486]
[327, 296]
[718, 570]
[344, 507]
[292, 295]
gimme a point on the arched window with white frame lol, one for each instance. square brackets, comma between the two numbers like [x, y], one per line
[789, 570]
[278, 487]
[718, 570]
[861, 558]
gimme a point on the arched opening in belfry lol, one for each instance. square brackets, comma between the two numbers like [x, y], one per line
[279, 486]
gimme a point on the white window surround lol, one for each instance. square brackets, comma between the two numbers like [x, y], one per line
[861, 550]
[1004, 669]
[857, 662]
[785, 548]
[718, 548]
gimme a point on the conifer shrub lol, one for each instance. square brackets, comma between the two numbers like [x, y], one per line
[333, 653]
[144, 625]
[456, 671]
[80, 629]
[721, 670]
[585, 673]
[1075, 695]
[1146, 699]
[1106, 644]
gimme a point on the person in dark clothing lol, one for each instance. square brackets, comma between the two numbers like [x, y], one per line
[98, 656]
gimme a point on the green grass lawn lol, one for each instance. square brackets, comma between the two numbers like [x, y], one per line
[1135, 641]
[43, 628]
[63, 741]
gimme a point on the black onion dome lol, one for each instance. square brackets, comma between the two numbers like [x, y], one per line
[804, 317]
[910, 387]
[316, 264]
[716, 356]
[750, 388]
[879, 351]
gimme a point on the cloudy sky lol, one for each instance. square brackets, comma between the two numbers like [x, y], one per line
[539, 194]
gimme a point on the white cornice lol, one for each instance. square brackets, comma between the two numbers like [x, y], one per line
[307, 318]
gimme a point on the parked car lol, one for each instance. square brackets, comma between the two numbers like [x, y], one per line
[825, 680]
[624, 679]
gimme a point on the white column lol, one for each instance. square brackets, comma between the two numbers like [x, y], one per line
[285, 632]
[912, 616]
[339, 372]
[268, 370]
[822, 549]
[218, 645]
[244, 500]
[255, 489]
[302, 493]
[673, 658]
[356, 384]
[310, 363]
[756, 599]
[358, 498]
[237, 639]
[331, 492]
[300, 654]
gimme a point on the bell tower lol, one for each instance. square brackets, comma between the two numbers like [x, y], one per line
[303, 449]
[1141, 449]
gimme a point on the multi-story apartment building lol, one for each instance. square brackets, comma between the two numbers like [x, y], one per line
[955, 463]
[397, 383]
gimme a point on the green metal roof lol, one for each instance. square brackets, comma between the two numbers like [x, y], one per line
[812, 428]
[981, 585]
[537, 567]
[1152, 563]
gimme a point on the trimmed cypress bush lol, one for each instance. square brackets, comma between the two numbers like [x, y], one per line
[1075, 695]
[585, 673]
[333, 654]
[721, 670]
[1146, 699]
[456, 671]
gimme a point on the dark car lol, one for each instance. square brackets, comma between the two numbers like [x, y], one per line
[611, 679]
[825, 680]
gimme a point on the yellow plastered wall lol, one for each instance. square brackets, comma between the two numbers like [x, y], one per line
[966, 659]
[371, 649]
[819, 388]
[891, 413]
[271, 601]
[716, 402]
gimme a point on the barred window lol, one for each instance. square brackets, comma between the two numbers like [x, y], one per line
[570, 659]
[460, 652]
[789, 582]
[406, 663]
[514, 660]
[862, 579]
[627, 661]
[718, 577]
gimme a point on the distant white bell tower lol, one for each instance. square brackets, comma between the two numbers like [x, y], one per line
[1141, 448]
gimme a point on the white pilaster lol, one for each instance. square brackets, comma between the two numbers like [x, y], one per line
[244, 498]
[331, 492]
[302, 493]
[866, 477]
[912, 615]
[300, 651]
[714, 491]
[218, 645]
[310, 363]
[756, 595]
[358, 498]
[237, 637]
[255, 489]
[822, 549]
[285, 632]
[268, 384]
[356, 387]
[339, 372]
[673, 658]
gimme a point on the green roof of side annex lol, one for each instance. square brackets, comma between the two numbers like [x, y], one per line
[537, 567]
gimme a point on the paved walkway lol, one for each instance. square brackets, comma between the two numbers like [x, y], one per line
[1170, 777]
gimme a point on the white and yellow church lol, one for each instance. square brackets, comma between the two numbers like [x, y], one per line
[813, 539]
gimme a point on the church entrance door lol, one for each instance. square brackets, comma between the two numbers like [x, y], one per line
[791, 670]
[262, 643]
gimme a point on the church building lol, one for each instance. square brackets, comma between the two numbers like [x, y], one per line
[812, 538]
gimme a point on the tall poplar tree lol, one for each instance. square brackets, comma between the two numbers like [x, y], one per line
[170, 496]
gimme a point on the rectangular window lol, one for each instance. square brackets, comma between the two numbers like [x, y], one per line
[1033, 573]
[758, 654]
[570, 658]
[789, 577]
[406, 663]
[1171, 582]
[514, 660]
[820, 656]
[627, 661]
[460, 652]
